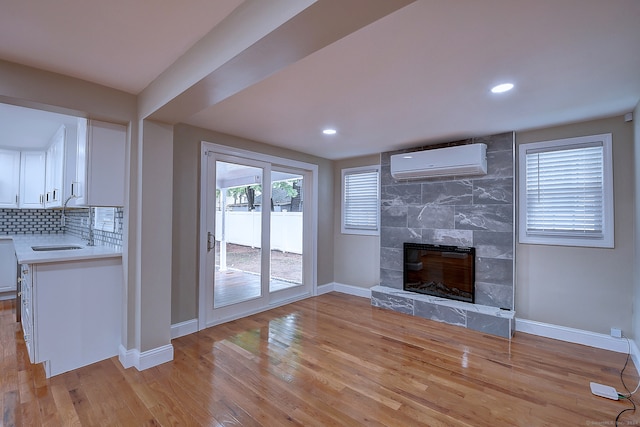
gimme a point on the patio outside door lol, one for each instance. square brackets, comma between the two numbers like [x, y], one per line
[255, 216]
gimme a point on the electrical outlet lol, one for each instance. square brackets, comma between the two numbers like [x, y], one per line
[616, 332]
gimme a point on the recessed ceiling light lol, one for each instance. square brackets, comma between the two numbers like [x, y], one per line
[504, 87]
[329, 131]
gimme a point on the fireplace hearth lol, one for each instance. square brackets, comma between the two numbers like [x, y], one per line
[440, 271]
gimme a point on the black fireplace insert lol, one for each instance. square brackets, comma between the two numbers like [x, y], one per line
[441, 271]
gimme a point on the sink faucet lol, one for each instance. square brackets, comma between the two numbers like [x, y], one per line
[63, 221]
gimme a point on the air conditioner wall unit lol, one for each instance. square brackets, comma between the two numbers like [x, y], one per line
[470, 159]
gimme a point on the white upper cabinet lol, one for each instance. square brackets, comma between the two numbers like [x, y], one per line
[32, 179]
[9, 178]
[100, 164]
[54, 180]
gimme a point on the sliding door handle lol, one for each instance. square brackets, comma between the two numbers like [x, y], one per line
[211, 241]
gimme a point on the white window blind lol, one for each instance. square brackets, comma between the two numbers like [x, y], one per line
[105, 219]
[566, 192]
[360, 204]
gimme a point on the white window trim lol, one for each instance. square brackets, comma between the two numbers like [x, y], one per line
[346, 230]
[607, 241]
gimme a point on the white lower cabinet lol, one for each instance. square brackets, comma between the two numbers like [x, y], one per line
[7, 266]
[72, 312]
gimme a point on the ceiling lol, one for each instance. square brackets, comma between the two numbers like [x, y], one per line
[421, 74]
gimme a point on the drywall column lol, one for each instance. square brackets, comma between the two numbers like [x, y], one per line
[152, 242]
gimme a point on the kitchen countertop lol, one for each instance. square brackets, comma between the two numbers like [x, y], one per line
[26, 255]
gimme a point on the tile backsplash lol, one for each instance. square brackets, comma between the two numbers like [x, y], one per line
[30, 221]
[76, 224]
[49, 221]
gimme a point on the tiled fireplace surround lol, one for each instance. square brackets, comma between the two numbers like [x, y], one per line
[473, 211]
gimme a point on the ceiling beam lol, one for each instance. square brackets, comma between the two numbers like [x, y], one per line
[318, 26]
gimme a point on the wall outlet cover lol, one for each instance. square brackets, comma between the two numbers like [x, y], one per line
[604, 391]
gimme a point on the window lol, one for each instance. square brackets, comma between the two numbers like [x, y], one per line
[566, 192]
[104, 219]
[360, 200]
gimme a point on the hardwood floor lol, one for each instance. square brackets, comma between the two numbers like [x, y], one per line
[329, 360]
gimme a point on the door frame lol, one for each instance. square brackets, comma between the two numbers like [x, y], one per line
[310, 241]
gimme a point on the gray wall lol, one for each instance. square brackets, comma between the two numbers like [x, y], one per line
[462, 211]
[584, 288]
[186, 208]
[356, 257]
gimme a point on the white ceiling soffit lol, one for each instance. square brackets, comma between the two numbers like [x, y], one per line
[29, 129]
[423, 74]
[122, 44]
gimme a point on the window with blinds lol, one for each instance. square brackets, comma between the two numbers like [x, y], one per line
[104, 219]
[361, 200]
[566, 192]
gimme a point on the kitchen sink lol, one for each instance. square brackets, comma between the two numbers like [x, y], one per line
[55, 248]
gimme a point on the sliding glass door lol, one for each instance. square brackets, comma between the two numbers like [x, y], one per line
[256, 229]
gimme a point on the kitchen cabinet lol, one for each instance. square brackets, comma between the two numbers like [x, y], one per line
[100, 164]
[9, 178]
[8, 273]
[32, 179]
[72, 312]
[54, 170]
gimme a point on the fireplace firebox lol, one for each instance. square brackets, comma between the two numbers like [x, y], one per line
[441, 271]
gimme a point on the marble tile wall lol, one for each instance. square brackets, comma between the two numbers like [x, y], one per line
[473, 211]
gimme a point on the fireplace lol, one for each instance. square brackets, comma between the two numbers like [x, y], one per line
[441, 271]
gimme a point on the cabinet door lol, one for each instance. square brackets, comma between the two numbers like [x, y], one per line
[101, 165]
[32, 179]
[78, 187]
[54, 170]
[7, 266]
[9, 178]
[26, 287]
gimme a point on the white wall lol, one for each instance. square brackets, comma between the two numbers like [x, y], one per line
[584, 288]
[356, 258]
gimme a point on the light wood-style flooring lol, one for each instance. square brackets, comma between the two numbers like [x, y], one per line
[331, 360]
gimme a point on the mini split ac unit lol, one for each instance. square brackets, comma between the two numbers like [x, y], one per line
[470, 159]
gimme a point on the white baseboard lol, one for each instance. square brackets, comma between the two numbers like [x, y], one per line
[7, 296]
[146, 359]
[127, 357]
[350, 289]
[184, 328]
[578, 336]
[323, 289]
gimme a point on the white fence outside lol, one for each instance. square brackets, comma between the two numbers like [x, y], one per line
[244, 228]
